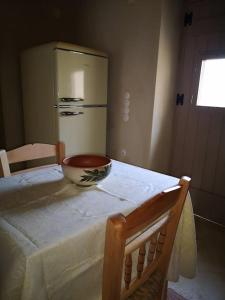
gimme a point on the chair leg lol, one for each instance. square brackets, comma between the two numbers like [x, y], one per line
[164, 292]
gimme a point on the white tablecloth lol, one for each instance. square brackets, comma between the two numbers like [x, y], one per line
[52, 234]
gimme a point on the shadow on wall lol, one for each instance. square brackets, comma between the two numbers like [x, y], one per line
[30, 24]
[129, 32]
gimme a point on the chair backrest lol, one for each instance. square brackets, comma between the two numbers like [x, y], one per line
[147, 236]
[30, 152]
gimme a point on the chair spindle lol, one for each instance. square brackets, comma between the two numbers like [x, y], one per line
[161, 240]
[141, 260]
[152, 248]
[128, 270]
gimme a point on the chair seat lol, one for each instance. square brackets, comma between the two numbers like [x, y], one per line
[149, 289]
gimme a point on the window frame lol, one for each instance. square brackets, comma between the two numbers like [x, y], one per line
[197, 74]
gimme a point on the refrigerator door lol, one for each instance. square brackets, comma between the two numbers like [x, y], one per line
[83, 130]
[81, 78]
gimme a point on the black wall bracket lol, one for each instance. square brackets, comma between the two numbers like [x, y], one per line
[188, 19]
[180, 99]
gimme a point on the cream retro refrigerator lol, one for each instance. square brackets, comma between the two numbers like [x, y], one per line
[64, 90]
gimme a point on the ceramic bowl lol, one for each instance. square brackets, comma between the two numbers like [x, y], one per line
[86, 170]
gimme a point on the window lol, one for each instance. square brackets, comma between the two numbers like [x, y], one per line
[211, 91]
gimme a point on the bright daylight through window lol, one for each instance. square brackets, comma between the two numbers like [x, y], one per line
[211, 91]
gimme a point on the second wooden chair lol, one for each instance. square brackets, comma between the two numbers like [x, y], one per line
[29, 152]
[146, 236]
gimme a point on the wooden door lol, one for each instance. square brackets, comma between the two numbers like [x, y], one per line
[199, 133]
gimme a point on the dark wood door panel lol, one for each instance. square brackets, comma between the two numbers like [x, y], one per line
[199, 132]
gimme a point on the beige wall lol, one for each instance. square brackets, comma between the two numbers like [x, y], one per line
[142, 39]
[130, 32]
[165, 93]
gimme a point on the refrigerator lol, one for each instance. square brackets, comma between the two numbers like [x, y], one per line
[64, 90]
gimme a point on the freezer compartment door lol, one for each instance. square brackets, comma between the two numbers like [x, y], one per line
[81, 77]
[83, 130]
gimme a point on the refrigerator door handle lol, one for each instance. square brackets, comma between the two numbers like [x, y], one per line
[65, 106]
[71, 99]
[70, 113]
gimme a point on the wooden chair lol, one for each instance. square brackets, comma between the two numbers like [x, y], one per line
[27, 153]
[148, 232]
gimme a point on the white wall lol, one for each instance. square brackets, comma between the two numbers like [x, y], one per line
[142, 39]
[165, 93]
[129, 32]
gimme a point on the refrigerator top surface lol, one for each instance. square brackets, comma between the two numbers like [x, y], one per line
[76, 48]
[69, 47]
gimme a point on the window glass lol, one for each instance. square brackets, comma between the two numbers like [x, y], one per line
[211, 91]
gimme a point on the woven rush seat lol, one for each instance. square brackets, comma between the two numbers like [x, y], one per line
[149, 289]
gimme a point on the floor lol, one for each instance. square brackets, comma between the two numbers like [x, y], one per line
[209, 283]
[172, 295]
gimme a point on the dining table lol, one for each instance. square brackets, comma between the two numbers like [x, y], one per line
[52, 233]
